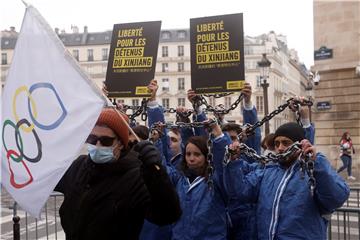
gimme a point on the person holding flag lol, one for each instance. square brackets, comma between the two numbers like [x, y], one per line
[46, 119]
[108, 193]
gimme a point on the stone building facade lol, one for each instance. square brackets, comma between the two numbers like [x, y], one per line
[337, 28]
[288, 76]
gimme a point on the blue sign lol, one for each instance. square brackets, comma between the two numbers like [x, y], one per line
[323, 106]
[323, 53]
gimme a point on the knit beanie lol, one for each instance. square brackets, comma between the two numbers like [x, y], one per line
[290, 130]
[110, 117]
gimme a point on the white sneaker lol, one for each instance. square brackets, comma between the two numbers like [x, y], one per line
[351, 178]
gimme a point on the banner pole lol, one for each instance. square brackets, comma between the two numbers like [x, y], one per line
[127, 124]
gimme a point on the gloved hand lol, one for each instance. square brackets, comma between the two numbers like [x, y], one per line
[148, 153]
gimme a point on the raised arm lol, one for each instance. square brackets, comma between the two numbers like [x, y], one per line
[156, 115]
[250, 117]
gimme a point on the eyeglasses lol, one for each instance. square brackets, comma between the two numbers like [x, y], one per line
[104, 140]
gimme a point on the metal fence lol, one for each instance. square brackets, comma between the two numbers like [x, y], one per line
[343, 225]
[354, 198]
[48, 227]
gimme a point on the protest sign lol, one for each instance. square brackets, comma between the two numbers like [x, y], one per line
[217, 53]
[132, 59]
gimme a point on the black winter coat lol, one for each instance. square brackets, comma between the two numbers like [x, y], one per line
[110, 201]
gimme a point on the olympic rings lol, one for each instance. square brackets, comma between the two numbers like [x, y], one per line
[19, 158]
[38, 142]
[26, 126]
[17, 92]
[33, 117]
[12, 176]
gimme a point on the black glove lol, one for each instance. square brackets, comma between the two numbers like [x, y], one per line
[148, 153]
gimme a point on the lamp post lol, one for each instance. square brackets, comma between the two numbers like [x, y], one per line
[309, 90]
[264, 66]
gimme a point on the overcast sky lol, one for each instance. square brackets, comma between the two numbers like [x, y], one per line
[293, 18]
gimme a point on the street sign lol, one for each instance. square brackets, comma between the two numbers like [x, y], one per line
[323, 53]
[323, 106]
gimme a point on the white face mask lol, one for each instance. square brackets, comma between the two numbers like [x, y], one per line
[100, 154]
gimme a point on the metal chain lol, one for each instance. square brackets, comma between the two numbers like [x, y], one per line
[210, 108]
[270, 157]
[183, 124]
[218, 95]
[248, 129]
[306, 163]
[141, 110]
[210, 168]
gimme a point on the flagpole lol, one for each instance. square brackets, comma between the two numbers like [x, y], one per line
[25, 3]
[127, 125]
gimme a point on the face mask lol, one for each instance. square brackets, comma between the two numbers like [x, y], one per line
[100, 154]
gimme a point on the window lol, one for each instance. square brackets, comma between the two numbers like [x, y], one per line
[165, 35]
[181, 83]
[135, 103]
[260, 103]
[180, 67]
[181, 34]
[227, 102]
[165, 84]
[120, 101]
[75, 53]
[90, 55]
[4, 58]
[165, 51]
[258, 81]
[165, 103]
[181, 102]
[165, 67]
[105, 54]
[212, 101]
[180, 51]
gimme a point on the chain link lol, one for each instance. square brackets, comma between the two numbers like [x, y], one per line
[139, 110]
[218, 95]
[210, 163]
[205, 124]
[218, 111]
[306, 163]
[248, 129]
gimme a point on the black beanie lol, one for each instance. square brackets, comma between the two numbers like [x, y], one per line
[290, 130]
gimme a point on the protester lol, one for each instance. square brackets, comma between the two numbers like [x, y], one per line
[108, 193]
[346, 148]
[141, 131]
[242, 225]
[175, 146]
[201, 195]
[267, 144]
[285, 207]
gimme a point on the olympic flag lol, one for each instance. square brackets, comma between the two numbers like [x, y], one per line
[49, 107]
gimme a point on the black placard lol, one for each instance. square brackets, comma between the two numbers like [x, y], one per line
[132, 58]
[217, 53]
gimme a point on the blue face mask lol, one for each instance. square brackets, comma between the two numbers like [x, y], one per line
[100, 154]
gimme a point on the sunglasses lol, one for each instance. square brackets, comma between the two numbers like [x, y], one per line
[104, 140]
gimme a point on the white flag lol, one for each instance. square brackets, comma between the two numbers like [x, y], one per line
[48, 109]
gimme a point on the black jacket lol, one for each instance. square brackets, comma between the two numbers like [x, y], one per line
[110, 201]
